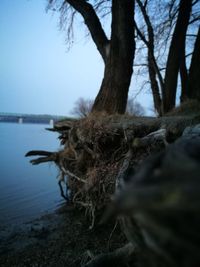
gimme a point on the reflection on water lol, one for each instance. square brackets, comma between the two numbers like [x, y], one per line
[26, 191]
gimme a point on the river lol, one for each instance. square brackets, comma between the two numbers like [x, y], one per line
[26, 191]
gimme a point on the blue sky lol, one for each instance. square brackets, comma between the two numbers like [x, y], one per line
[37, 73]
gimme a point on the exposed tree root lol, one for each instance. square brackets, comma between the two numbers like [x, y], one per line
[100, 157]
[99, 150]
[46, 156]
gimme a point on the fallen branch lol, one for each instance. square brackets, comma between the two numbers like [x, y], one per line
[67, 172]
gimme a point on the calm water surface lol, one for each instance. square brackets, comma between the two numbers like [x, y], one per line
[26, 191]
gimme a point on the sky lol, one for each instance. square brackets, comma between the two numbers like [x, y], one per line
[38, 75]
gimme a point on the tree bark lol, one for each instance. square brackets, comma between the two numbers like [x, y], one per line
[152, 64]
[194, 71]
[154, 86]
[174, 56]
[184, 77]
[93, 23]
[113, 94]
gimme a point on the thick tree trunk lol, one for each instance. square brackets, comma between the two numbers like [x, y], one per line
[175, 54]
[194, 72]
[113, 94]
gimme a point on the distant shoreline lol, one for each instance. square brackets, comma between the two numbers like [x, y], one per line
[26, 118]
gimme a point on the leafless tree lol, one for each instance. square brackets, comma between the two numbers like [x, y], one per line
[164, 30]
[134, 108]
[167, 37]
[117, 51]
[82, 107]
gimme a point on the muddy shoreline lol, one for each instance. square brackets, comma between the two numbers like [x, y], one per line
[61, 238]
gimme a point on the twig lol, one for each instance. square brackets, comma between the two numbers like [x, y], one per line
[93, 217]
[86, 205]
[90, 151]
[115, 226]
[62, 191]
[67, 172]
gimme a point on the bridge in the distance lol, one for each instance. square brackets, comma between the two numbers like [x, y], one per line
[29, 118]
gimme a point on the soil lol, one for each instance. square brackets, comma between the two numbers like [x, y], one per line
[59, 239]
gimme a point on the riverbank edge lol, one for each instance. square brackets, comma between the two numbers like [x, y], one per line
[60, 238]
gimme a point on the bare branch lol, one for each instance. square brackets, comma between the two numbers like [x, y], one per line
[195, 2]
[194, 19]
[67, 172]
[93, 23]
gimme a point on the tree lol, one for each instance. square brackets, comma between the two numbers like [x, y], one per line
[177, 46]
[194, 71]
[117, 52]
[151, 61]
[167, 39]
[165, 46]
[82, 107]
[134, 108]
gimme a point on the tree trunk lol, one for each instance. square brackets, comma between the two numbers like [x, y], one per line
[152, 64]
[194, 72]
[184, 77]
[113, 94]
[175, 54]
[154, 86]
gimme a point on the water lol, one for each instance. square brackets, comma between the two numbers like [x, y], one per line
[26, 191]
